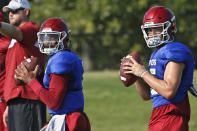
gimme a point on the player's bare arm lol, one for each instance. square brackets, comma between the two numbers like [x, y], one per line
[141, 86]
[167, 87]
[143, 89]
[172, 78]
[5, 116]
[11, 31]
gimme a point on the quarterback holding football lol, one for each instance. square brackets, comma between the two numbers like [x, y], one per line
[170, 73]
[63, 90]
[129, 79]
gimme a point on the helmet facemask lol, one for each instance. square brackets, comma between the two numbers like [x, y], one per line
[51, 42]
[158, 39]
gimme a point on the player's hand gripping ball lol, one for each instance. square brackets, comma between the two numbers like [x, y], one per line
[129, 79]
[30, 64]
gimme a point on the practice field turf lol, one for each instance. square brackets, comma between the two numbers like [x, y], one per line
[112, 107]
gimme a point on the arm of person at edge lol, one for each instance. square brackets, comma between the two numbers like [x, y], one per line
[52, 97]
[166, 87]
[11, 31]
[5, 116]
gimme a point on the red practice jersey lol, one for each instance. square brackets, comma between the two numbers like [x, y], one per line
[4, 43]
[15, 55]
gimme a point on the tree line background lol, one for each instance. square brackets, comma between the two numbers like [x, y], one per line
[103, 31]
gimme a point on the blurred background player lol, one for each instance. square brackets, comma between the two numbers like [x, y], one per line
[170, 74]
[24, 111]
[62, 80]
[4, 43]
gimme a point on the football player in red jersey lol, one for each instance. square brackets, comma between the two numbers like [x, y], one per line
[4, 43]
[62, 91]
[170, 75]
[24, 110]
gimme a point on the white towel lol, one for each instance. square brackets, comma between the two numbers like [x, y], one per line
[57, 123]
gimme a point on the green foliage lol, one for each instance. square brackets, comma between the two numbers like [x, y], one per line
[103, 31]
[2, 4]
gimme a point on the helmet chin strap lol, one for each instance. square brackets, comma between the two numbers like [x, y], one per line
[68, 44]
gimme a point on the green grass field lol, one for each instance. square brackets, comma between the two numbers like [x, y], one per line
[113, 107]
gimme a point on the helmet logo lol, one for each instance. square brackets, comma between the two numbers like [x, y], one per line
[47, 30]
[148, 23]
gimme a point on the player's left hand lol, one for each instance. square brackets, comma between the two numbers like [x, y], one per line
[23, 74]
[133, 67]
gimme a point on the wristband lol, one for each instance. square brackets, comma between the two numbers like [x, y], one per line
[142, 73]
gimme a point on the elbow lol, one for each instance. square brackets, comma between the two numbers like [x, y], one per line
[19, 36]
[54, 106]
[146, 98]
[145, 95]
[170, 95]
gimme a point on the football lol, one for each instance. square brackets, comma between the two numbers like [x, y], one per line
[129, 79]
[30, 64]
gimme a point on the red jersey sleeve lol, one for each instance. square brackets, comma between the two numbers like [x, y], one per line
[53, 96]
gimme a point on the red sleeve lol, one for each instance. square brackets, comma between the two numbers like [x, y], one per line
[4, 43]
[29, 31]
[53, 96]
